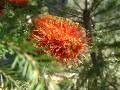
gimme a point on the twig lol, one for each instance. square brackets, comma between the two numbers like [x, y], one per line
[78, 5]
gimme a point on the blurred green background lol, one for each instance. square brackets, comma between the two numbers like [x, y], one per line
[21, 69]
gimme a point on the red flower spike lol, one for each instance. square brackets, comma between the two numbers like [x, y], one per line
[19, 2]
[63, 39]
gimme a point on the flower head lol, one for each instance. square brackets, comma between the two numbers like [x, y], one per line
[18, 2]
[63, 39]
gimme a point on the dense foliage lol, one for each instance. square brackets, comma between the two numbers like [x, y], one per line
[24, 67]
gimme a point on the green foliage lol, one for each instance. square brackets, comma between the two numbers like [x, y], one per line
[23, 69]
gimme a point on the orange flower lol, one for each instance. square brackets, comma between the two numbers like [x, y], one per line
[18, 2]
[62, 38]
